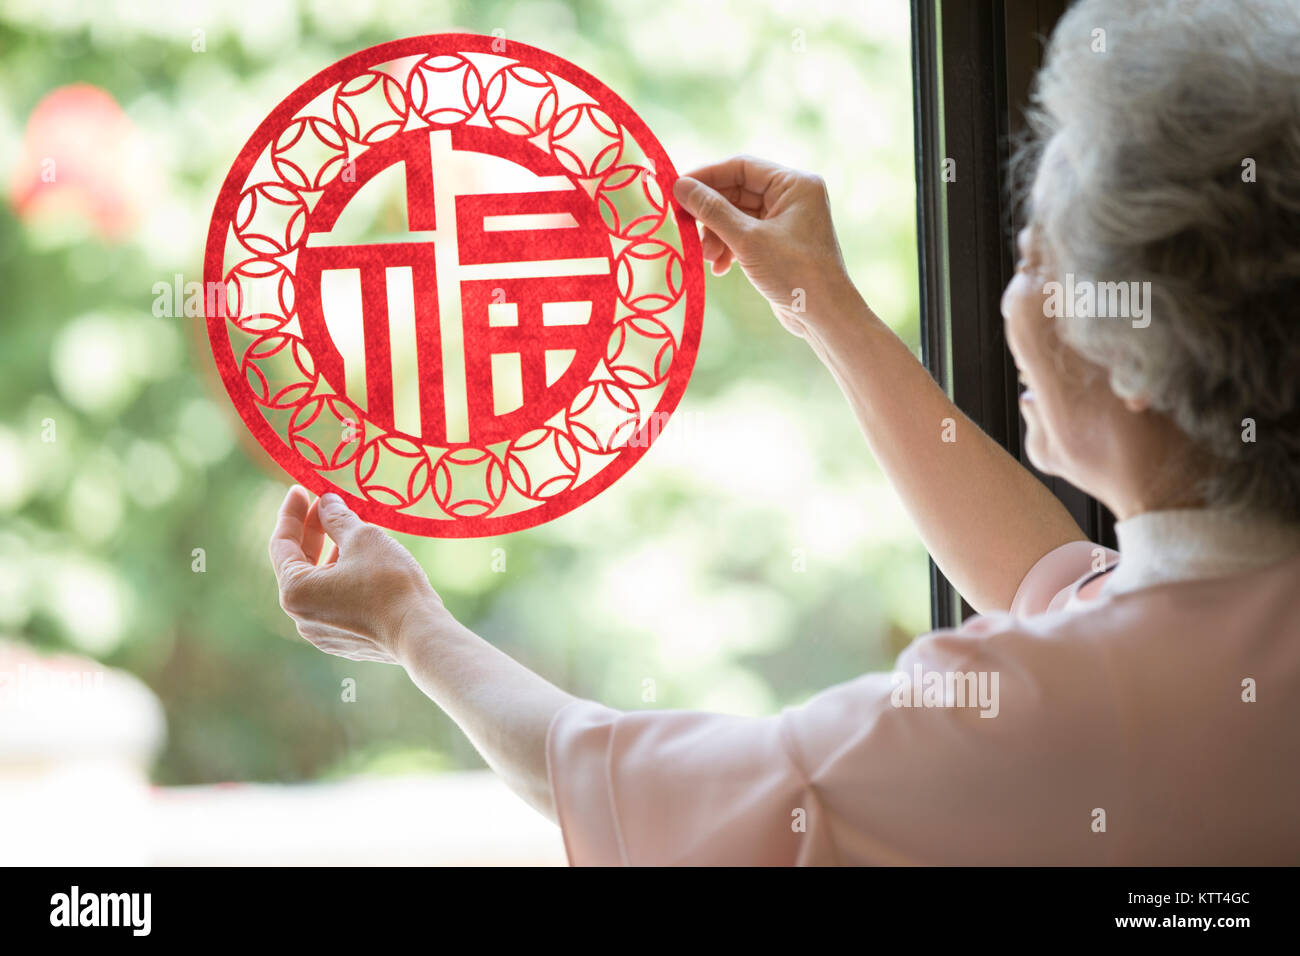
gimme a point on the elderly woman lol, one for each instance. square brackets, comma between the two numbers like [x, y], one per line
[1144, 705]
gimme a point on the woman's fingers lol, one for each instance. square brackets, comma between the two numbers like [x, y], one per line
[726, 198]
[338, 520]
[313, 536]
[286, 539]
[710, 207]
[746, 173]
[715, 251]
[722, 264]
[710, 244]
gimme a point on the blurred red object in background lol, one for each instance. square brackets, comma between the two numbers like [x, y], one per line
[80, 159]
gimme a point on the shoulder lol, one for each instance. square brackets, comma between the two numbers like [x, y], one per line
[995, 678]
[1047, 585]
[983, 745]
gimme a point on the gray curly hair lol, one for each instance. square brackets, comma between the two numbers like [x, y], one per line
[1143, 141]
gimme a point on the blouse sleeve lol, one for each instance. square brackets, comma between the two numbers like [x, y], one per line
[656, 788]
[1045, 587]
[864, 772]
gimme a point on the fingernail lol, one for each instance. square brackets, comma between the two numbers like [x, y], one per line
[332, 502]
[682, 186]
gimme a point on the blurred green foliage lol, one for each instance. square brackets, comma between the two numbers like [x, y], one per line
[754, 556]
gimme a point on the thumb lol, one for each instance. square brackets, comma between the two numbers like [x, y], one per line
[711, 208]
[340, 521]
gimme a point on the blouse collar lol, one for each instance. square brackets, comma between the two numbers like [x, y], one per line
[1195, 543]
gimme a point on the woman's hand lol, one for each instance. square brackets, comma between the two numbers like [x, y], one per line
[776, 223]
[355, 604]
[373, 602]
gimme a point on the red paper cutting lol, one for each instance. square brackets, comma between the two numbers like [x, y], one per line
[457, 290]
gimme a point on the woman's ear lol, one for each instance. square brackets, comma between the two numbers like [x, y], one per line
[1134, 400]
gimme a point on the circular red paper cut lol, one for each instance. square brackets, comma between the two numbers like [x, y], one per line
[544, 297]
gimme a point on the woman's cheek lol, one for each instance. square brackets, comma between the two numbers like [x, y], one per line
[1022, 306]
[1038, 445]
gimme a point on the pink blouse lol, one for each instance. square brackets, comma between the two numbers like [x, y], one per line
[1157, 726]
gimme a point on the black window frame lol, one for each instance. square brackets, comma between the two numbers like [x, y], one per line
[972, 66]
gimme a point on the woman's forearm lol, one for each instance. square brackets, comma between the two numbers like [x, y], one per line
[984, 518]
[503, 707]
